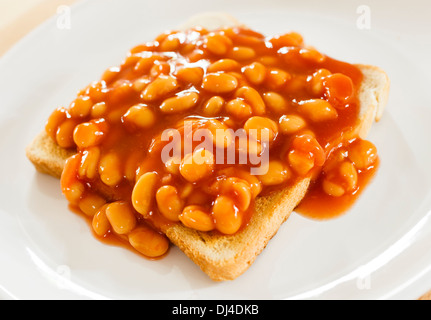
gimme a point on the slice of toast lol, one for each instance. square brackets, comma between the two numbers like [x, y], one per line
[224, 257]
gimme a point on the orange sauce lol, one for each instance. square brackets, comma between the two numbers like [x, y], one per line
[291, 70]
[111, 238]
[320, 206]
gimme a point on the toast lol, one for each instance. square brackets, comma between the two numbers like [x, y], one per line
[225, 257]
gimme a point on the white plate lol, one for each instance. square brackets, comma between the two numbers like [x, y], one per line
[378, 250]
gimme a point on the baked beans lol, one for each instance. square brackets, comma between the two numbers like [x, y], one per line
[110, 169]
[218, 43]
[81, 107]
[224, 65]
[99, 110]
[64, 134]
[306, 153]
[197, 165]
[341, 180]
[54, 121]
[292, 39]
[312, 55]
[227, 217]
[338, 90]
[169, 202]
[255, 73]
[180, 103]
[213, 106]
[91, 203]
[220, 134]
[290, 124]
[227, 81]
[89, 163]
[239, 109]
[317, 110]
[197, 218]
[301, 162]
[121, 217]
[193, 75]
[278, 173]
[140, 116]
[253, 98]
[143, 193]
[72, 189]
[275, 102]
[363, 154]
[148, 242]
[159, 88]
[258, 127]
[100, 222]
[171, 43]
[276, 78]
[89, 134]
[220, 83]
[160, 67]
[316, 82]
[241, 53]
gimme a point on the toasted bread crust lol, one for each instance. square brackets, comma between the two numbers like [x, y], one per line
[47, 156]
[226, 257]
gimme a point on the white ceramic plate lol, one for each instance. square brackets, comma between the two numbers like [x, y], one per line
[380, 249]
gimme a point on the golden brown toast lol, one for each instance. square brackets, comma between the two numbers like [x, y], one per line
[225, 257]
